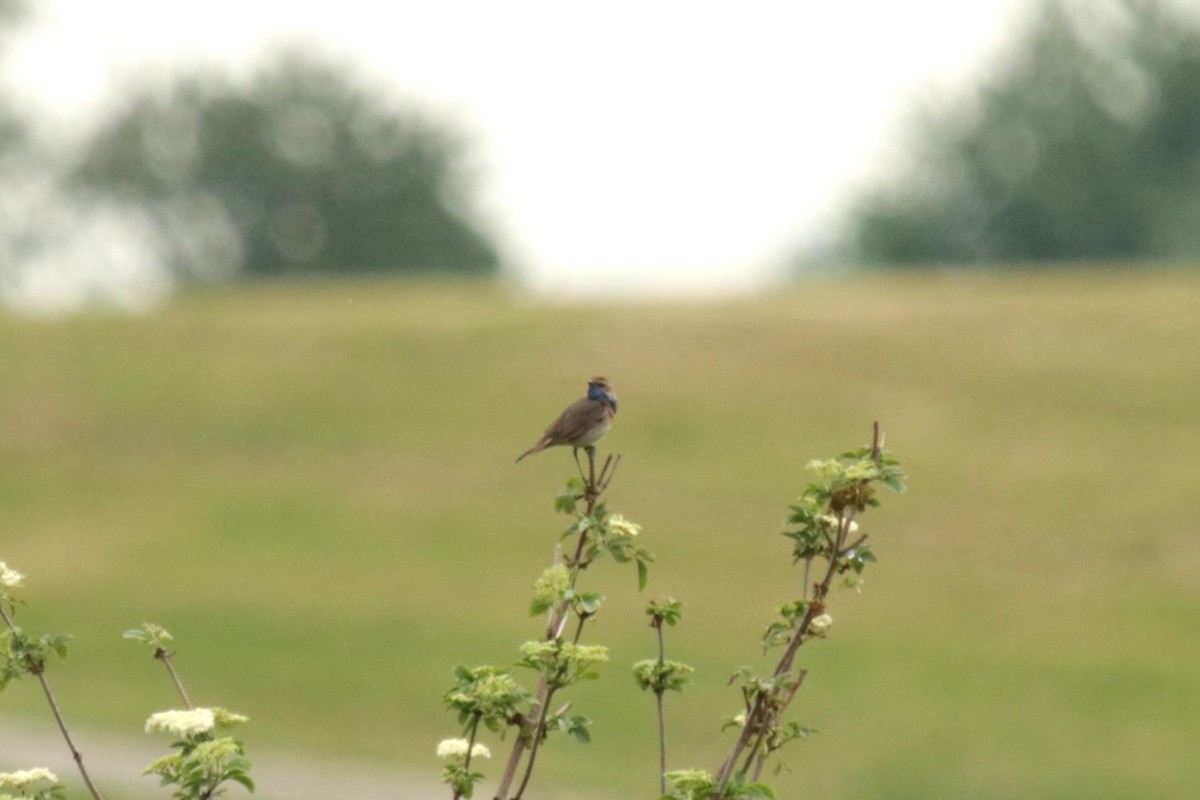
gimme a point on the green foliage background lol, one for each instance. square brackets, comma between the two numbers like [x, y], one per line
[312, 486]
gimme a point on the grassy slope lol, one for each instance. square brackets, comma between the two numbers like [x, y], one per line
[313, 487]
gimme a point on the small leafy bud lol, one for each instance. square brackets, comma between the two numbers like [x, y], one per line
[562, 663]
[738, 720]
[690, 784]
[486, 693]
[819, 625]
[569, 496]
[670, 612]
[155, 635]
[827, 468]
[864, 470]
[584, 653]
[669, 675]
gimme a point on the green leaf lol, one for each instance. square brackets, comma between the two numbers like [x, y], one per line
[57, 643]
[566, 500]
[643, 574]
[588, 602]
[578, 727]
[670, 611]
[243, 779]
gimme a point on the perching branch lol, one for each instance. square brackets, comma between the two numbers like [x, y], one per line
[533, 732]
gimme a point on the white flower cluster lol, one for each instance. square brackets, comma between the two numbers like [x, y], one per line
[831, 521]
[10, 577]
[692, 784]
[192, 722]
[552, 585]
[620, 526]
[182, 723]
[456, 749]
[22, 779]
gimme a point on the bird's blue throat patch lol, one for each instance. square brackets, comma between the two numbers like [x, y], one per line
[598, 394]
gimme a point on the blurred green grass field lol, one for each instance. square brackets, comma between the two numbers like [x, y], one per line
[313, 487]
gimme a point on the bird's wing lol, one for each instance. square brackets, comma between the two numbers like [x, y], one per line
[576, 420]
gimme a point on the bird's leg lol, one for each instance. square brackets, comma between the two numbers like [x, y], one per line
[575, 452]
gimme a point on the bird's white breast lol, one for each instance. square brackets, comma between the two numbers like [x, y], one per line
[596, 433]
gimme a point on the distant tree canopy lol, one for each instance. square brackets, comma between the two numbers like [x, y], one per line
[1084, 146]
[301, 171]
[12, 13]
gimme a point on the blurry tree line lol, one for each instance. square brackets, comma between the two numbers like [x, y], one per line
[11, 12]
[304, 168]
[1084, 144]
[307, 171]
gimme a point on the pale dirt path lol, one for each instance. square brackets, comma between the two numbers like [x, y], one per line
[116, 764]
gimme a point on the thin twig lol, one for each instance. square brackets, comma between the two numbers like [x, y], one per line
[662, 721]
[514, 758]
[165, 657]
[62, 726]
[470, 747]
[583, 617]
[539, 734]
[609, 470]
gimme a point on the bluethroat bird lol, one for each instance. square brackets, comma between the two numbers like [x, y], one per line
[582, 423]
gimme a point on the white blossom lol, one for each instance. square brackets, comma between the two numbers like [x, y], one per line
[620, 526]
[182, 723]
[23, 778]
[457, 749]
[820, 625]
[9, 577]
[831, 521]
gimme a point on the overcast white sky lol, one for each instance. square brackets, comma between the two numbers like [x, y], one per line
[663, 145]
